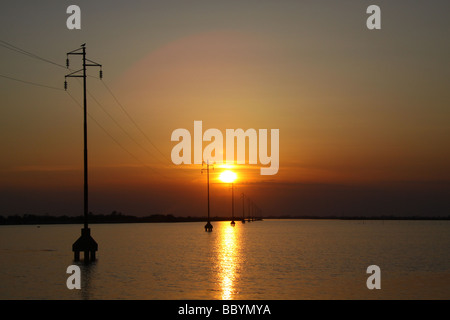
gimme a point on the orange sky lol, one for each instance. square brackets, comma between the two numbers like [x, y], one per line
[359, 112]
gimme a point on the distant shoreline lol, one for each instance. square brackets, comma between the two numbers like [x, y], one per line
[121, 218]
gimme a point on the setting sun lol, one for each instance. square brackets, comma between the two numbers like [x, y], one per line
[228, 176]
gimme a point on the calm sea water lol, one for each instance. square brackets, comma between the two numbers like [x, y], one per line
[272, 259]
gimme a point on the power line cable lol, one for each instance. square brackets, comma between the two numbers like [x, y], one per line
[30, 54]
[27, 53]
[115, 140]
[137, 126]
[134, 122]
[31, 83]
[118, 124]
[35, 56]
[17, 49]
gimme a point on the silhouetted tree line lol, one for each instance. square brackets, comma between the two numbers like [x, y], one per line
[383, 217]
[113, 217]
[118, 217]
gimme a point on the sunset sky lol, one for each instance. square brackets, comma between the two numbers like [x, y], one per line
[363, 116]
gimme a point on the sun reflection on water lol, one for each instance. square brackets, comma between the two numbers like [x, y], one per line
[228, 260]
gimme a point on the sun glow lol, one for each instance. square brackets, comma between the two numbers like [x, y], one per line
[226, 166]
[228, 176]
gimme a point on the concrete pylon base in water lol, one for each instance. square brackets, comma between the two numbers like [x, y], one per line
[208, 227]
[85, 244]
